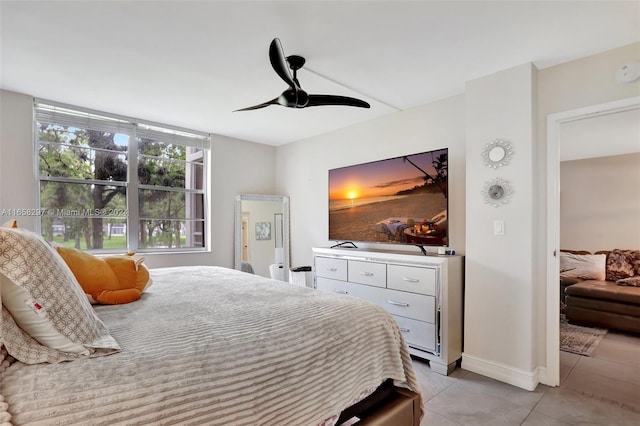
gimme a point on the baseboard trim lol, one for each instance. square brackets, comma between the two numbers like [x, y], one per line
[527, 380]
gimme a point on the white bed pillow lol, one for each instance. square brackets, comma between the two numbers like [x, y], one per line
[584, 266]
[33, 319]
[46, 316]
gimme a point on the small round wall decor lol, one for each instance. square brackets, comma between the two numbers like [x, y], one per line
[497, 153]
[497, 192]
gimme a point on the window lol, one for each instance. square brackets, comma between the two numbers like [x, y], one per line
[113, 183]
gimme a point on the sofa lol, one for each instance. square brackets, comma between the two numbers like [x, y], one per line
[602, 289]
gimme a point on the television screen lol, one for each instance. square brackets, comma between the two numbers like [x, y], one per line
[400, 200]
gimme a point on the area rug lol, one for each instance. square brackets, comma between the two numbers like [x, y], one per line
[578, 339]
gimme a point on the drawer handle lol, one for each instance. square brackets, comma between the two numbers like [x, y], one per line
[340, 291]
[366, 274]
[411, 280]
[405, 330]
[332, 269]
[393, 302]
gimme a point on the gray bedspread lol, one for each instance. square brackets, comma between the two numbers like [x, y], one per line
[209, 345]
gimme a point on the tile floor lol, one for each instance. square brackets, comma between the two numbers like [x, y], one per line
[603, 389]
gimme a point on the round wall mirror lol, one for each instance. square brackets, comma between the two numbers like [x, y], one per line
[497, 153]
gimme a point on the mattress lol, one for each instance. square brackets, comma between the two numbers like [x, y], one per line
[210, 345]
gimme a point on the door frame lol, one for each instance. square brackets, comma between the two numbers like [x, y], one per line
[245, 237]
[554, 122]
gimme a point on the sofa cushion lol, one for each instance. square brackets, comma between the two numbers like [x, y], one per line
[579, 315]
[601, 305]
[605, 290]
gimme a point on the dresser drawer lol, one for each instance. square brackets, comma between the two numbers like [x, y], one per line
[369, 273]
[411, 278]
[330, 267]
[409, 305]
[417, 333]
[332, 286]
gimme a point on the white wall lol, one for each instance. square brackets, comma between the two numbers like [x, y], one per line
[600, 136]
[17, 179]
[236, 167]
[600, 203]
[303, 167]
[499, 273]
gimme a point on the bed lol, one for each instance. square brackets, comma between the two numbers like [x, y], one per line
[210, 345]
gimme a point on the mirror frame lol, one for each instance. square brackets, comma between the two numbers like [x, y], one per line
[504, 146]
[238, 224]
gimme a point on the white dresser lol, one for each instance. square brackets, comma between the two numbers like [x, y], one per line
[423, 293]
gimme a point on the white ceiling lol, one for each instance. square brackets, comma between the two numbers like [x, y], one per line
[191, 64]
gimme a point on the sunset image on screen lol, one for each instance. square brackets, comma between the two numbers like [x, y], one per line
[398, 192]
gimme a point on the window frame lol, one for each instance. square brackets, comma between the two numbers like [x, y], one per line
[136, 129]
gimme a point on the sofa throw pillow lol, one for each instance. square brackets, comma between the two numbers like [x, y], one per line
[56, 306]
[583, 266]
[623, 264]
[631, 281]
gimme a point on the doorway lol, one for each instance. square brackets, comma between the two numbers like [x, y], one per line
[554, 123]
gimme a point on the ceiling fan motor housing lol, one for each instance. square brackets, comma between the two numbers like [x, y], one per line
[293, 98]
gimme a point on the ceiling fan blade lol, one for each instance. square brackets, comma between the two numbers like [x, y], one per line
[262, 105]
[279, 63]
[320, 100]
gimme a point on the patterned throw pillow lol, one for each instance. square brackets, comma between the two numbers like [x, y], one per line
[50, 299]
[623, 264]
[631, 281]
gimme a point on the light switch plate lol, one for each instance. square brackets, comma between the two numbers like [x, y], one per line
[498, 227]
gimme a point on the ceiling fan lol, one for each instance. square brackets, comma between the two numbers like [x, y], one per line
[294, 96]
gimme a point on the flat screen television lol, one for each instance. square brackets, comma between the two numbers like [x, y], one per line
[401, 200]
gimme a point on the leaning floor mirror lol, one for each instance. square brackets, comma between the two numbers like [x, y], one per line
[262, 235]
